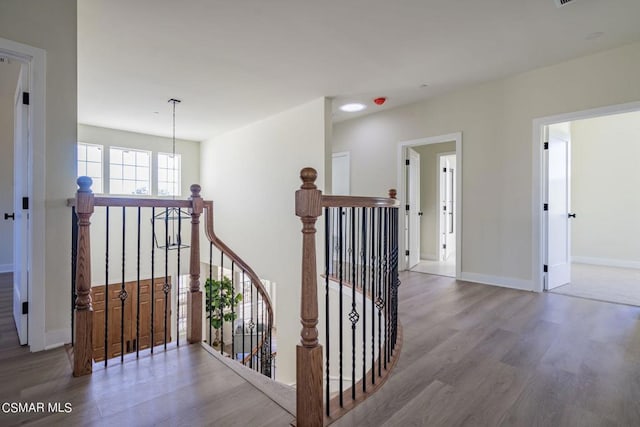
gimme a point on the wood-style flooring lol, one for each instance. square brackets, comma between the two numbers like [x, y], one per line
[181, 387]
[476, 355]
[473, 355]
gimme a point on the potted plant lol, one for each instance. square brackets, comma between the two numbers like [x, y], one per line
[221, 302]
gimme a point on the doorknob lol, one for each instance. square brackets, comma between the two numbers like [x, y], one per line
[572, 215]
[7, 216]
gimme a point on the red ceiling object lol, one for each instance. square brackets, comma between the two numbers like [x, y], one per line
[379, 101]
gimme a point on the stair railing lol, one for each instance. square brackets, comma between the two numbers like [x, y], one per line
[148, 301]
[361, 265]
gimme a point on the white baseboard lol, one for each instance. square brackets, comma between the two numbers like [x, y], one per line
[57, 338]
[504, 282]
[6, 268]
[606, 262]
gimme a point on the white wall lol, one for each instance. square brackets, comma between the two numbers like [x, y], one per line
[496, 121]
[604, 189]
[252, 174]
[8, 80]
[429, 194]
[51, 25]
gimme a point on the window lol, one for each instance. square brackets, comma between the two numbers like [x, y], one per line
[129, 171]
[90, 164]
[169, 183]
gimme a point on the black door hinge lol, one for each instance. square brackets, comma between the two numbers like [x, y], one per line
[546, 145]
[444, 170]
[25, 203]
[406, 162]
[545, 207]
[25, 307]
[444, 246]
[545, 268]
[406, 207]
[406, 252]
[25, 98]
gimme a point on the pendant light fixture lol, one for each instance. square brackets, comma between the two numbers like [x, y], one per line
[170, 220]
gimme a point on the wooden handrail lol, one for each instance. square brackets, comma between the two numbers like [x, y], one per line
[329, 201]
[136, 202]
[211, 235]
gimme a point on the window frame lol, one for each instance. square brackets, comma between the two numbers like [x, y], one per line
[102, 177]
[122, 179]
[178, 185]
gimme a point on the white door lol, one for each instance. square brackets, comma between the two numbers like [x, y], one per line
[340, 182]
[21, 223]
[447, 206]
[414, 207]
[558, 199]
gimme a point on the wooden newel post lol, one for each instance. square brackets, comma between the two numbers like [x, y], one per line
[83, 347]
[393, 193]
[194, 297]
[309, 409]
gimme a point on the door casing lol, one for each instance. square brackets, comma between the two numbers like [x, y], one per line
[538, 180]
[402, 193]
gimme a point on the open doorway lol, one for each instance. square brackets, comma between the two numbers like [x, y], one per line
[591, 206]
[430, 190]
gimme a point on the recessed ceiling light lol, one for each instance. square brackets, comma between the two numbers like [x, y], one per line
[352, 108]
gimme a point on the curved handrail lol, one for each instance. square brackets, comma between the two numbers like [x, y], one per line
[211, 235]
[329, 201]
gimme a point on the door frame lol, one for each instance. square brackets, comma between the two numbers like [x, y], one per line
[35, 58]
[401, 186]
[538, 179]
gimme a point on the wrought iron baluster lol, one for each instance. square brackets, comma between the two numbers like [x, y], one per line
[363, 252]
[152, 342]
[137, 343]
[327, 268]
[353, 316]
[107, 294]
[179, 242]
[210, 293]
[123, 293]
[166, 287]
[340, 301]
[373, 295]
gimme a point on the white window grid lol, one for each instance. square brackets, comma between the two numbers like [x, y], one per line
[129, 171]
[169, 174]
[90, 159]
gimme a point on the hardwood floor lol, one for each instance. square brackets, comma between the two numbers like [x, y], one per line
[473, 355]
[476, 355]
[185, 387]
[9, 344]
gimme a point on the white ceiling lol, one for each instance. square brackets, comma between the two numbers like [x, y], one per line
[235, 62]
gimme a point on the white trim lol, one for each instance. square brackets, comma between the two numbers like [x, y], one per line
[36, 58]
[57, 338]
[606, 262]
[457, 137]
[503, 282]
[6, 268]
[537, 217]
